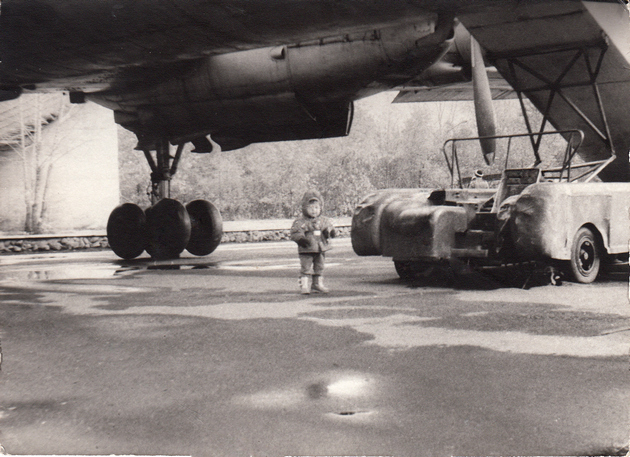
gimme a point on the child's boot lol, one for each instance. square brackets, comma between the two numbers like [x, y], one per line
[318, 284]
[305, 284]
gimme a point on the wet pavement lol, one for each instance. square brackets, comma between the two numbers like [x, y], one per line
[221, 356]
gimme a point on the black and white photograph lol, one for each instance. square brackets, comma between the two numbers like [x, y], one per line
[298, 228]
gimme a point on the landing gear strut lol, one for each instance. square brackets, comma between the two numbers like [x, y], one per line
[167, 227]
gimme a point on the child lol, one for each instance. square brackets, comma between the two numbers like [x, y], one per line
[311, 232]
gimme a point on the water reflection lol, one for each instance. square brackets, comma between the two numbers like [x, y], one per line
[59, 273]
[26, 273]
[179, 267]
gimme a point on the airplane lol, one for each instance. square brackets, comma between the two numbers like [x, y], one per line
[236, 72]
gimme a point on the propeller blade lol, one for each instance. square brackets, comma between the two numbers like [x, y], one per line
[484, 110]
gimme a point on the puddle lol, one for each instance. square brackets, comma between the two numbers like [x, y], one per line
[346, 396]
[268, 265]
[25, 274]
[178, 267]
[19, 269]
[349, 386]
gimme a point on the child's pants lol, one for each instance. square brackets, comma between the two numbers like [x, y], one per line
[312, 264]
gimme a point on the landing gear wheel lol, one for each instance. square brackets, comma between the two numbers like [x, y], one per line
[585, 256]
[409, 269]
[126, 231]
[207, 227]
[168, 229]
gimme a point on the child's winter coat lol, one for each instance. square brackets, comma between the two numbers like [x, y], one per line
[312, 234]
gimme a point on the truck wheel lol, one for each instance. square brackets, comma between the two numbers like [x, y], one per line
[585, 256]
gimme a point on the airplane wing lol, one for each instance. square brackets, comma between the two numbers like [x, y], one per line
[572, 61]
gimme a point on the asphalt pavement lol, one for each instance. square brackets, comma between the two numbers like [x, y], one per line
[221, 356]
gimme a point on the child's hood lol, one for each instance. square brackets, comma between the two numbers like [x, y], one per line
[311, 195]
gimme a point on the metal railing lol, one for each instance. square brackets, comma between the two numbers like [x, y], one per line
[574, 138]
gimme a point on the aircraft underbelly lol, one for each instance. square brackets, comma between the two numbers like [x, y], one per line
[83, 44]
[288, 92]
[554, 55]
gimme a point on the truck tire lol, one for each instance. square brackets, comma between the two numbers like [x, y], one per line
[585, 256]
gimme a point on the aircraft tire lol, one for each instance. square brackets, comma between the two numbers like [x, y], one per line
[206, 227]
[168, 229]
[585, 256]
[126, 231]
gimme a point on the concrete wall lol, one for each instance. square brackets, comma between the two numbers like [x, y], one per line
[84, 185]
[12, 205]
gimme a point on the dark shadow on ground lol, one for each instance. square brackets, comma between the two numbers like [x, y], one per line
[522, 276]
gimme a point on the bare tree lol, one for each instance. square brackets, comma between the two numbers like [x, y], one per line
[36, 114]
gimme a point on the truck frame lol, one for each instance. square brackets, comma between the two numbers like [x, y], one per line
[558, 215]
